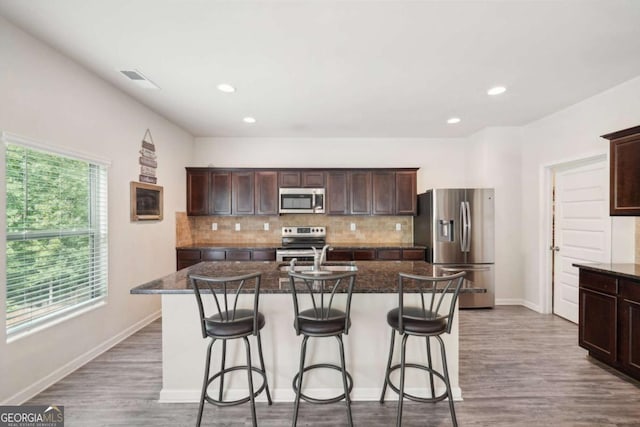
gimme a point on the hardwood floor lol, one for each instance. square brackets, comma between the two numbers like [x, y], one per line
[517, 368]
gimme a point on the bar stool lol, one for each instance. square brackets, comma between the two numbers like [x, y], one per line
[321, 316]
[423, 321]
[229, 322]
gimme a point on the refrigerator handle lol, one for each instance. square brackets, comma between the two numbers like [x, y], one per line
[463, 235]
[468, 239]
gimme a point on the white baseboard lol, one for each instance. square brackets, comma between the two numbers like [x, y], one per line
[57, 375]
[518, 301]
[287, 395]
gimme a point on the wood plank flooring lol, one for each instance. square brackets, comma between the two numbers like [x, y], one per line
[517, 368]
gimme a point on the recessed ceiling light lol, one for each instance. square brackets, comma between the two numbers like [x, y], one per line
[250, 120]
[226, 88]
[497, 90]
[453, 120]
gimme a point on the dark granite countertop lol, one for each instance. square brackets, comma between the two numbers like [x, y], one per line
[372, 277]
[631, 271]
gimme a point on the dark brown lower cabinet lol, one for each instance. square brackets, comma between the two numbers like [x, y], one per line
[609, 319]
[189, 257]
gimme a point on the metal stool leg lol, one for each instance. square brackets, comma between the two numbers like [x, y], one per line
[433, 389]
[303, 351]
[222, 363]
[204, 383]
[403, 351]
[446, 380]
[386, 373]
[344, 381]
[266, 384]
[250, 376]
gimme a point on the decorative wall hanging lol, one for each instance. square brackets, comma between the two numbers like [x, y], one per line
[148, 159]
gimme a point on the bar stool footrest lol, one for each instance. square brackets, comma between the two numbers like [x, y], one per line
[411, 396]
[323, 401]
[241, 400]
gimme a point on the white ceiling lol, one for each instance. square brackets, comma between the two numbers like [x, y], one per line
[346, 68]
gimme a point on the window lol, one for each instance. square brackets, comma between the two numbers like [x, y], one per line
[56, 221]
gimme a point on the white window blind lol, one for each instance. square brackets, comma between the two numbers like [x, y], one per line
[56, 235]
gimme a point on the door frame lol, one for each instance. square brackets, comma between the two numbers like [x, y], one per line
[546, 288]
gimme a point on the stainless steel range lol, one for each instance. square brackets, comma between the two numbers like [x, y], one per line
[298, 241]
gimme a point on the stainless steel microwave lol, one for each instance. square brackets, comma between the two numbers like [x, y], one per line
[301, 200]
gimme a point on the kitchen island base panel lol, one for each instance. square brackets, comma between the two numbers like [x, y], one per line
[366, 348]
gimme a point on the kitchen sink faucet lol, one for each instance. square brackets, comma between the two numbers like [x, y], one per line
[319, 258]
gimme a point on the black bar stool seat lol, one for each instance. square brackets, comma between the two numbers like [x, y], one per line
[330, 322]
[234, 323]
[417, 321]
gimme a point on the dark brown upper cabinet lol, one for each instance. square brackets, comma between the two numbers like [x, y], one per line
[360, 192]
[198, 192]
[220, 194]
[624, 172]
[406, 190]
[242, 193]
[301, 178]
[384, 192]
[337, 194]
[266, 191]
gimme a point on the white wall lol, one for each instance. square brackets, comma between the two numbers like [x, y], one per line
[49, 98]
[570, 134]
[438, 159]
[494, 161]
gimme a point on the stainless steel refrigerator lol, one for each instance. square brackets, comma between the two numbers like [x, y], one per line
[457, 227]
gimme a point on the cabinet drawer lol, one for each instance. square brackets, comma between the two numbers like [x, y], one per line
[598, 282]
[340, 255]
[212, 255]
[630, 290]
[238, 255]
[413, 254]
[389, 254]
[364, 254]
[189, 254]
[264, 255]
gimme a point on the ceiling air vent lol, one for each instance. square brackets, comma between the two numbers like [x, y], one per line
[138, 78]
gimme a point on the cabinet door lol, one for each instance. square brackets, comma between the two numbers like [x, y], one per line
[289, 178]
[337, 196]
[242, 197]
[384, 192]
[624, 181]
[187, 257]
[197, 192]
[360, 192]
[629, 326]
[406, 193]
[266, 193]
[220, 193]
[597, 324]
[313, 179]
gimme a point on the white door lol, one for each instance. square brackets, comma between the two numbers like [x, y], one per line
[582, 229]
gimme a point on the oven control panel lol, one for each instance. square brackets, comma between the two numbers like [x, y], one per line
[312, 231]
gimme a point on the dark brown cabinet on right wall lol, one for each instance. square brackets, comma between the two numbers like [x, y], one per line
[609, 319]
[624, 180]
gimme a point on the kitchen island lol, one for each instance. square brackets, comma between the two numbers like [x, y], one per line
[366, 346]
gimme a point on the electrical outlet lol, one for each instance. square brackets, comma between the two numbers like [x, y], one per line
[214, 226]
[398, 226]
[237, 226]
[266, 226]
[353, 226]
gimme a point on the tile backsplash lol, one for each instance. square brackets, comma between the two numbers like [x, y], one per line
[197, 230]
